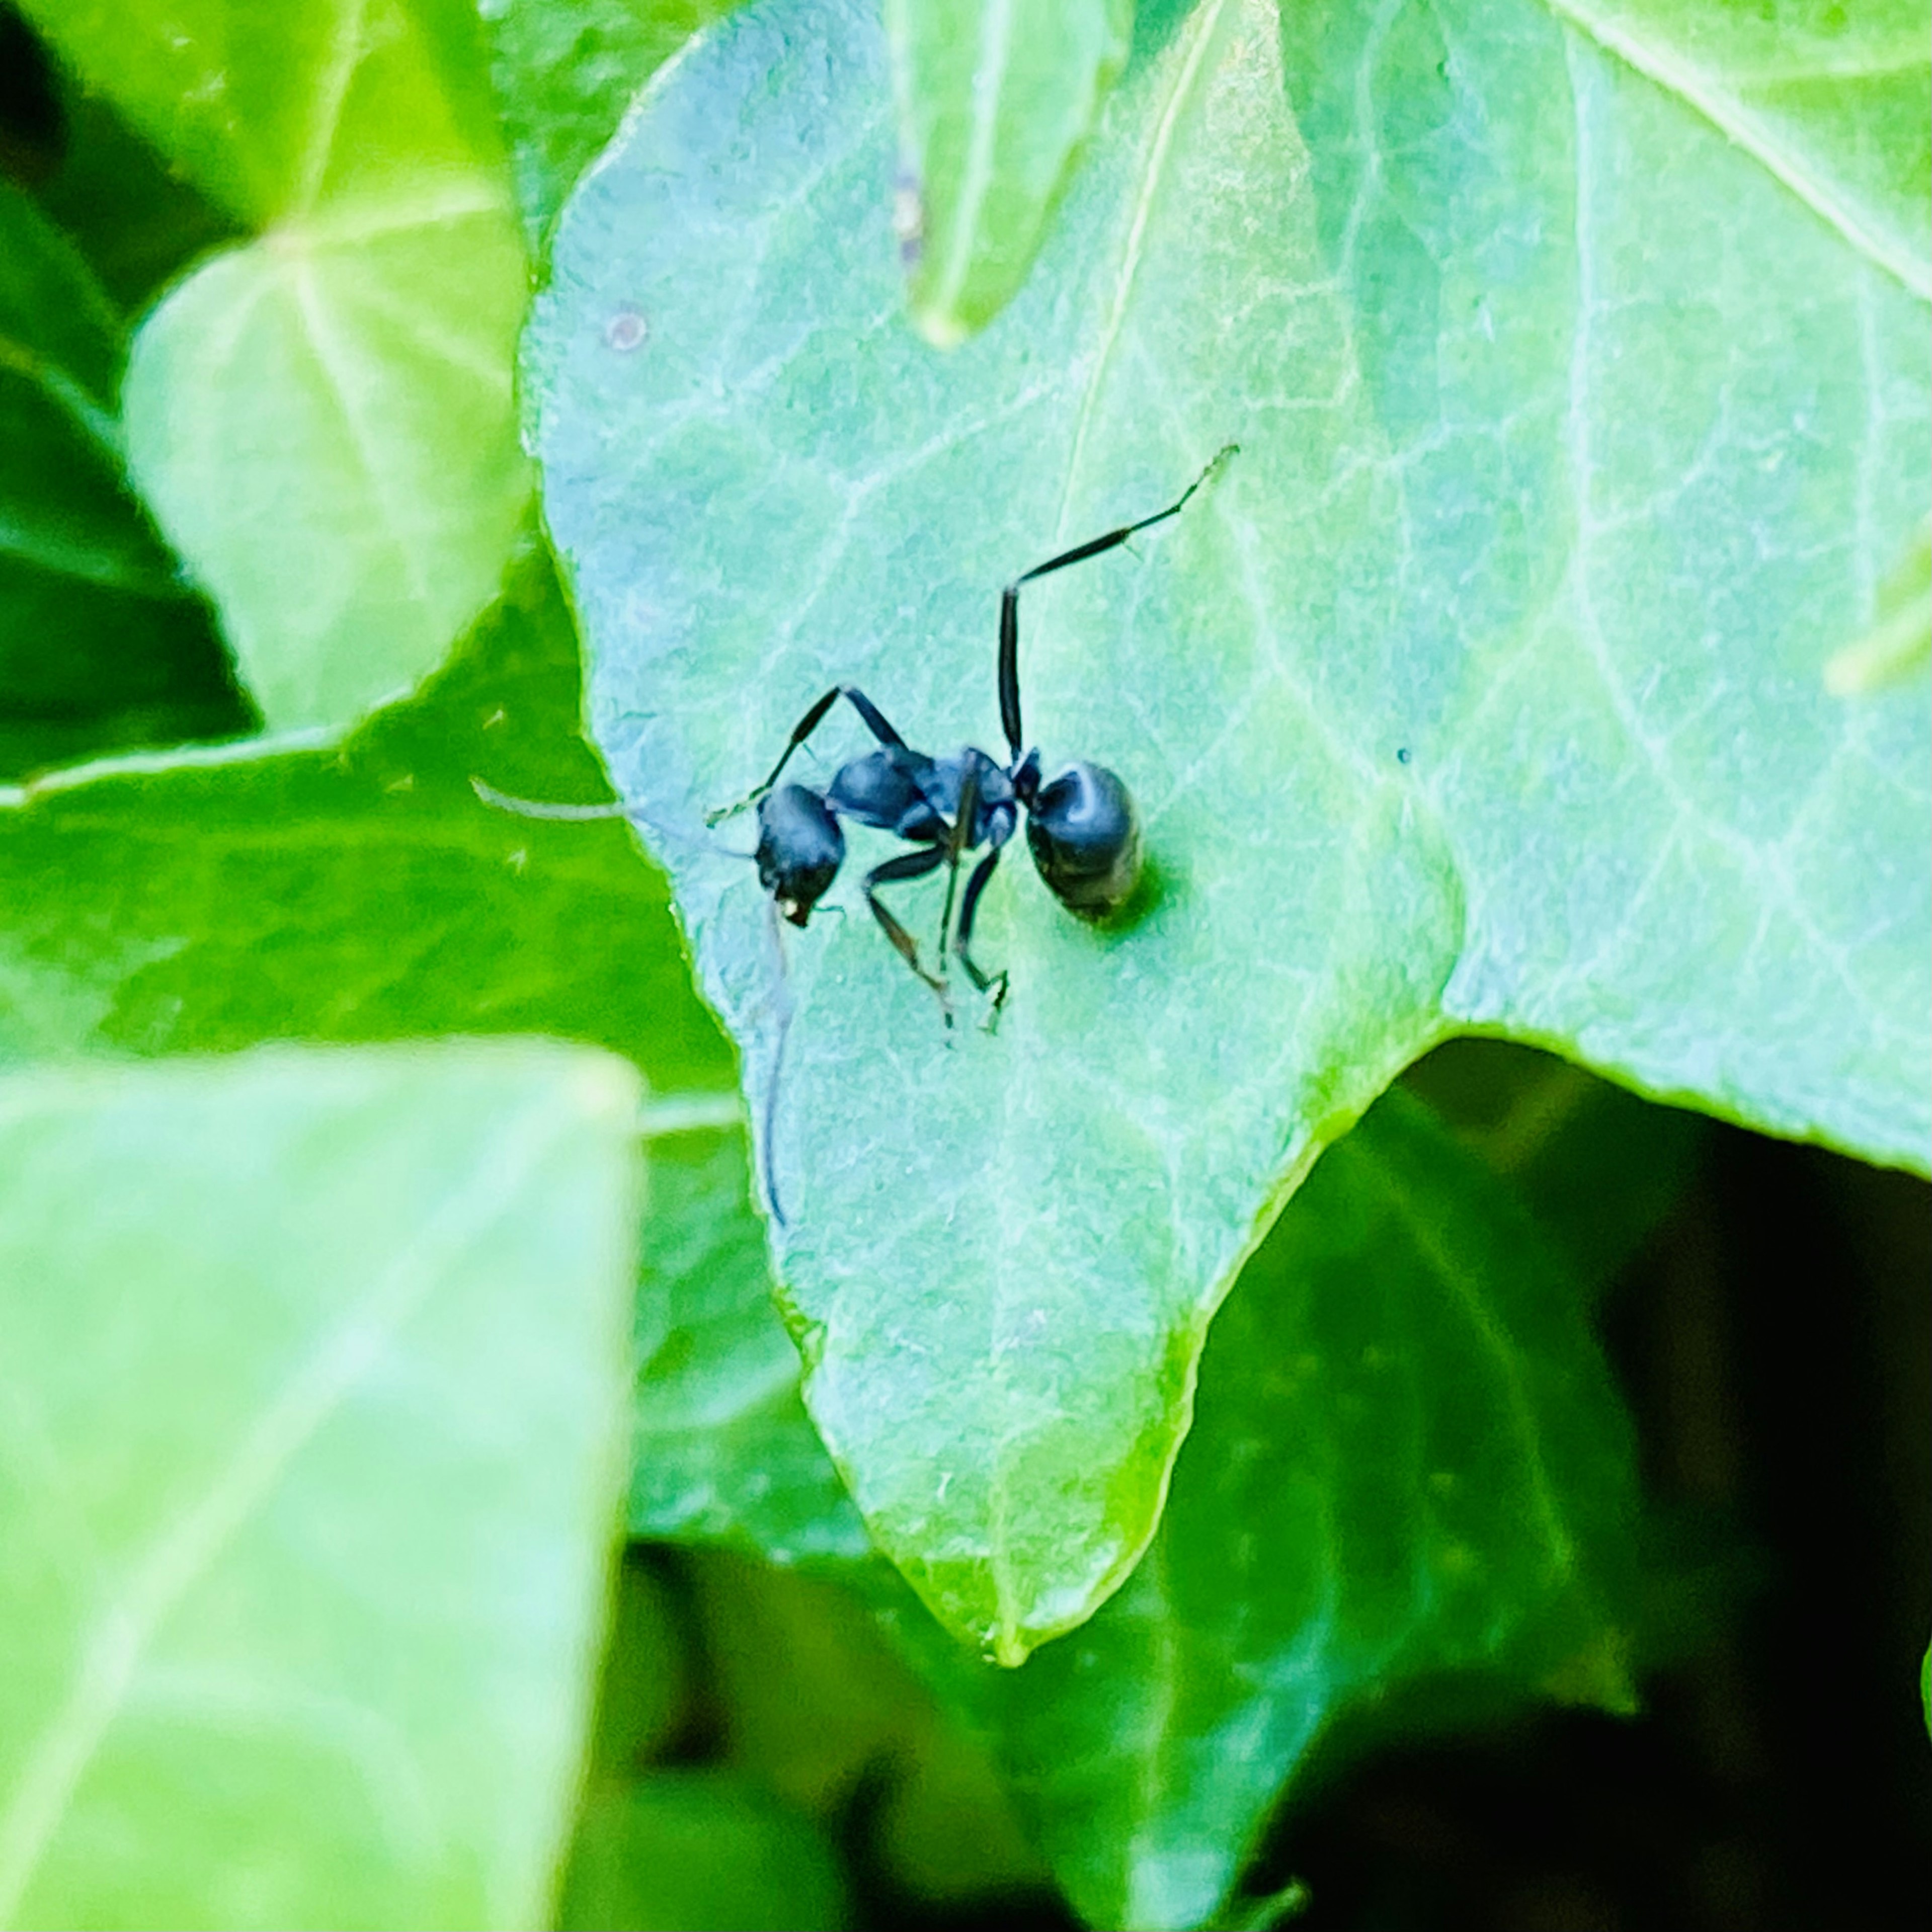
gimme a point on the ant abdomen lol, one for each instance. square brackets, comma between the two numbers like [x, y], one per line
[1085, 838]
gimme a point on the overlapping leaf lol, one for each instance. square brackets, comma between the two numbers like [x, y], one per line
[995, 101]
[321, 419]
[1571, 442]
[313, 1375]
[1407, 1462]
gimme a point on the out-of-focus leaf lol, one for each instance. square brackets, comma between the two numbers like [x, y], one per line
[1900, 642]
[645, 1683]
[138, 224]
[323, 419]
[1836, 101]
[101, 643]
[312, 1378]
[699, 1852]
[1599, 1168]
[1407, 1463]
[565, 71]
[725, 1451]
[364, 894]
[995, 99]
[1568, 436]
[815, 1704]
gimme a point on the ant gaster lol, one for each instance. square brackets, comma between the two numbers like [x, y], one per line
[1081, 826]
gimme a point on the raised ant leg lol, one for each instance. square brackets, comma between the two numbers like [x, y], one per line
[1009, 597]
[907, 866]
[975, 886]
[875, 723]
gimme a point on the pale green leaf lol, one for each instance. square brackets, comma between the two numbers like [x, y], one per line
[349, 544]
[995, 99]
[1481, 691]
[313, 1378]
[1900, 644]
[322, 419]
[1835, 100]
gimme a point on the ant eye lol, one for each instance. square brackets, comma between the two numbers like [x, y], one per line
[1085, 837]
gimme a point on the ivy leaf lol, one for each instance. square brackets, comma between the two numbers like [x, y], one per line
[359, 895]
[1407, 1466]
[1567, 438]
[565, 71]
[312, 1380]
[994, 102]
[100, 641]
[322, 419]
[1835, 101]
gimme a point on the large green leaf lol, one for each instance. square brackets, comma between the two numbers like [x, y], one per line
[322, 418]
[100, 642]
[313, 1383]
[994, 99]
[361, 895]
[1571, 443]
[1407, 1463]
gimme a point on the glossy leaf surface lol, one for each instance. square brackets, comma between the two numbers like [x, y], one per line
[1568, 436]
[995, 99]
[1407, 1466]
[313, 1378]
[322, 419]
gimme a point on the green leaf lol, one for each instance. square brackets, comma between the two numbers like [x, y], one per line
[1599, 1169]
[138, 224]
[1407, 1461]
[312, 1385]
[361, 895]
[323, 419]
[1408, 1465]
[100, 642]
[725, 1452]
[1900, 644]
[699, 1852]
[994, 102]
[1450, 705]
[565, 71]
[1835, 101]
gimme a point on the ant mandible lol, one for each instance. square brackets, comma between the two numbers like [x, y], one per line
[1081, 826]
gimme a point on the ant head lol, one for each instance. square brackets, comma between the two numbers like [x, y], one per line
[800, 849]
[1085, 838]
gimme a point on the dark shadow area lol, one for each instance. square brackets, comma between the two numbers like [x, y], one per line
[1774, 1337]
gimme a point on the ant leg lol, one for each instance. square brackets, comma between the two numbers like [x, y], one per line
[994, 982]
[957, 840]
[875, 723]
[907, 866]
[1009, 597]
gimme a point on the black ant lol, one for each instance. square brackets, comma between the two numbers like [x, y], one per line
[1081, 826]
